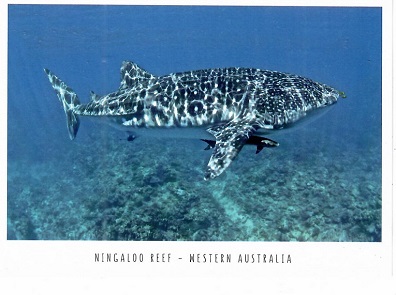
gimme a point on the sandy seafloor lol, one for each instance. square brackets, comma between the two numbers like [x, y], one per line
[323, 183]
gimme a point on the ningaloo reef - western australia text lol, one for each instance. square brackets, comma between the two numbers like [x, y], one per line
[269, 258]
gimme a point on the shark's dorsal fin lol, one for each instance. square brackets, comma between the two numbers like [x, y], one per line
[230, 139]
[132, 75]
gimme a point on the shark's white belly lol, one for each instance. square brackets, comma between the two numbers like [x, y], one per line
[201, 133]
[164, 132]
[172, 132]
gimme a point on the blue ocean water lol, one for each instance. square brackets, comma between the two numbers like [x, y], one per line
[323, 183]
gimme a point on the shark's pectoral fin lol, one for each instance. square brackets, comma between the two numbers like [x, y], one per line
[230, 139]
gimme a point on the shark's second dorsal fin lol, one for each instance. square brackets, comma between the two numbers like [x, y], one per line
[94, 96]
[132, 75]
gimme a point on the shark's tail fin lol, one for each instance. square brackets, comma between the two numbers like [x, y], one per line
[69, 100]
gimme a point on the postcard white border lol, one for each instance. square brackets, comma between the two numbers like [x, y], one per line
[47, 267]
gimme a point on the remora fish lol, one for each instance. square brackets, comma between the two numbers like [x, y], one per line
[232, 104]
[259, 142]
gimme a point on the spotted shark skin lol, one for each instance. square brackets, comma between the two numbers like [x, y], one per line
[231, 103]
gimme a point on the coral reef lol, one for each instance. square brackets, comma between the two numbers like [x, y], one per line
[145, 190]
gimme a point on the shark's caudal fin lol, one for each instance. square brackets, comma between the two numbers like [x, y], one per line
[69, 100]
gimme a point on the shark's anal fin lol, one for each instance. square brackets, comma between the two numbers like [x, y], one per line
[230, 139]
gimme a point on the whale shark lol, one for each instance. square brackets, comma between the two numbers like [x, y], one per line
[230, 106]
